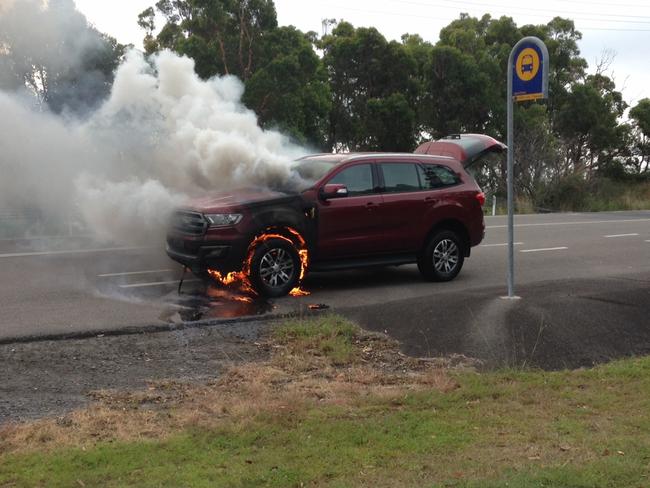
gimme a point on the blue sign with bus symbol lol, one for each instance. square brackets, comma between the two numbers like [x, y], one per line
[530, 72]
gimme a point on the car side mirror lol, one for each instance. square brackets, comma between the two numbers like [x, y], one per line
[333, 191]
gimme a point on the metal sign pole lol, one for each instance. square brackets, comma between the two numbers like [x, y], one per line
[511, 183]
[529, 60]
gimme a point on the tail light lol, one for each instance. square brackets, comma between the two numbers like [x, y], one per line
[480, 196]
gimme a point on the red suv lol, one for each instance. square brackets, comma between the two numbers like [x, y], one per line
[348, 211]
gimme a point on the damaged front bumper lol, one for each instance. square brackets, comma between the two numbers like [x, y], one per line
[199, 256]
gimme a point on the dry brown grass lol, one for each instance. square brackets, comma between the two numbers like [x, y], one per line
[293, 379]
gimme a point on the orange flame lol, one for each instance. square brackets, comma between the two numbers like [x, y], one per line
[304, 264]
[243, 299]
[242, 278]
[238, 277]
[299, 292]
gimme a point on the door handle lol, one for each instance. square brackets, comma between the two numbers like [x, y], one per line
[371, 205]
[431, 200]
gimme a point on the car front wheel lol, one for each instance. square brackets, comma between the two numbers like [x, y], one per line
[443, 257]
[275, 268]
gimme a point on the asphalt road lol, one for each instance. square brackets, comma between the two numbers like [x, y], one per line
[67, 286]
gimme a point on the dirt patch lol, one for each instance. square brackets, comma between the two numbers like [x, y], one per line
[45, 378]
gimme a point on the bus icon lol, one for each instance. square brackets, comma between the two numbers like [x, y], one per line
[527, 64]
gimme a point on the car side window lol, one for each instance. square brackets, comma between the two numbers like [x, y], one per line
[400, 177]
[358, 179]
[436, 176]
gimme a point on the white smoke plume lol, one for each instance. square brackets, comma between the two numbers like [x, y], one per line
[48, 49]
[162, 136]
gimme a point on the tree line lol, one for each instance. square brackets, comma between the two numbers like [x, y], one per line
[351, 89]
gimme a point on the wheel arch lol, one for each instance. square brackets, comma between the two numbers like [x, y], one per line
[454, 225]
[286, 230]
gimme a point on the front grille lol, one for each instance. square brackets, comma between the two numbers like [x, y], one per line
[192, 223]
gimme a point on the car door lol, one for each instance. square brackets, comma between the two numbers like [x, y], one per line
[351, 226]
[445, 196]
[404, 204]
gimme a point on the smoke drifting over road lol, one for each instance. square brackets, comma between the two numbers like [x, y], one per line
[163, 135]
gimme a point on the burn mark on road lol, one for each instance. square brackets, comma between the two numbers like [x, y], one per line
[196, 299]
[214, 302]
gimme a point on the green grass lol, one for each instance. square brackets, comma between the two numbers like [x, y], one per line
[586, 428]
[329, 336]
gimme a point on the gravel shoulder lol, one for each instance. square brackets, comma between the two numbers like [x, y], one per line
[48, 378]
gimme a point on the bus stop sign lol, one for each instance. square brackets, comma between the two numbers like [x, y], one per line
[527, 80]
[529, 70]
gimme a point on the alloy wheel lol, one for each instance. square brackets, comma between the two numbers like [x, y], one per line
[446, 256]
[276, 268]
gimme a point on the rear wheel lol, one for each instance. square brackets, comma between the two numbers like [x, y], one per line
[275, 268]
[443, 256]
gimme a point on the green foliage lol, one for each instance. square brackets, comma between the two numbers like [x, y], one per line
[640, 113]
[588, 122]
[639, 139]
[576, 193]
[567, 194]
[537, 152]
[391, 124]
[457, 99]
[370, 76]
[567, 67]
[222, 36]
[291, 90]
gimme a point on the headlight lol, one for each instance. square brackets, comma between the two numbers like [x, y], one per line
[223, 220]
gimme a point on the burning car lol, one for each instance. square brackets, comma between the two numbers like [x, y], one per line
[350, 210]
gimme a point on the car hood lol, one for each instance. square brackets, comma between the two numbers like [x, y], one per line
[466, 148]
[229, 200]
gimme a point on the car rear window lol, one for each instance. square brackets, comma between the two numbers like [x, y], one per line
[435, 176]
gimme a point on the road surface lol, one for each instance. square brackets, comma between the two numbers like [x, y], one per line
[68, 286]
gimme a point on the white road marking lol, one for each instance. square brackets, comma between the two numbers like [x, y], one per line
[157, 283]
[568, 223]
[131, 273]
[501, 245]
[621, 235]
[545, 249]
[71, 251]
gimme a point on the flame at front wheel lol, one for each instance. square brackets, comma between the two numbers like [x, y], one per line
[243, 278]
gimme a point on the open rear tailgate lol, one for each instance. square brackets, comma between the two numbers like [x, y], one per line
[466, 148]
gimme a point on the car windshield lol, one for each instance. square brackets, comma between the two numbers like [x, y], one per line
[309, 170]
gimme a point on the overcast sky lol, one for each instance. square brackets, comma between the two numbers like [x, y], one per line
[620, 28]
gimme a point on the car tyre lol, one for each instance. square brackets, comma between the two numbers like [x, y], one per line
[275, 268]
[443, 256]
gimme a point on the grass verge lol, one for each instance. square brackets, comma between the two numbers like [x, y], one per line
[335, 406]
